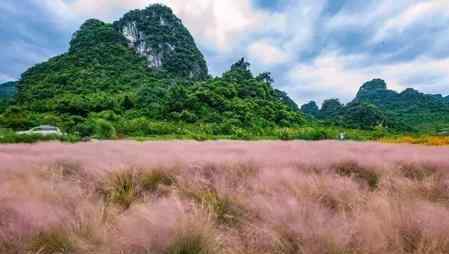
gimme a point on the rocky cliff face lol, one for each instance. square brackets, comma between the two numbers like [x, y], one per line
[158, 35]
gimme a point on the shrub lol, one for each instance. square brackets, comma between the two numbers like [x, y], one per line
[146, 127]
[241, 134]
[85, 129]
[104, 129]
[285, 134]
[8, 136]
[302, 134]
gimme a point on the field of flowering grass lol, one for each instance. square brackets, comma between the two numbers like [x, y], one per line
[123, 197]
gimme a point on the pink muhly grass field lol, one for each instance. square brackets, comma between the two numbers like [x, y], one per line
[223, 197]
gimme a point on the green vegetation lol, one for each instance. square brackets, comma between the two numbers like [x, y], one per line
[425, 112]
[311, 109]
[7, 92]
[143, 77]
[10, 137]
[103, 88]
[375, 105]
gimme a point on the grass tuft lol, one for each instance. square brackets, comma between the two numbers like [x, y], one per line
[222, 207]
[151, 181]
[51, 242]
[416, 172]
[194, 241]
[67, 167]
[121, 189]
[353, 169]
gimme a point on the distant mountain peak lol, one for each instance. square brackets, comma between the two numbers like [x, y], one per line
[410, 91]
[375, 84]
[93, 33]
[158, 35]
[311, 108]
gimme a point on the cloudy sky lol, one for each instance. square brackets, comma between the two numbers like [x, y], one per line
[315, 49]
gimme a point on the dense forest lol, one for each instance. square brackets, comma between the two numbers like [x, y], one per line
[375, 105]
[8, 91]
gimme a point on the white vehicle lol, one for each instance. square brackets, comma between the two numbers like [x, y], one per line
[44, 130]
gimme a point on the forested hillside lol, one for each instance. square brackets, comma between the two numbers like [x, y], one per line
[112, 79]
[424, 111]
[376, 105]
[7, 90]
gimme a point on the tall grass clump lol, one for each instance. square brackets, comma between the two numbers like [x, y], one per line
[223, 208]
[121, 188]
[417, 172]
[51, 242]
[193, 241]
[353, 169]
[152, 180]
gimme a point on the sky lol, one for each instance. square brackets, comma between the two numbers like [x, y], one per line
[315, 49]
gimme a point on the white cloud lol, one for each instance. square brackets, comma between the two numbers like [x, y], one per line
[223, 25]
[335, 75]
[421, 12]
[5, 78]
[59, 13]
[302, 24]
[328, 75]
[266, 53]
[220, 23]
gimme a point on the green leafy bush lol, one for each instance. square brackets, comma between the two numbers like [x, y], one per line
[104, 129]
[9, 136]
[303, 134]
